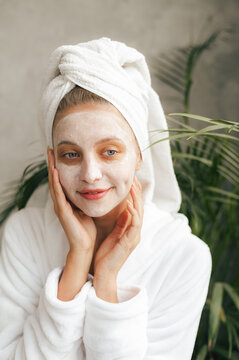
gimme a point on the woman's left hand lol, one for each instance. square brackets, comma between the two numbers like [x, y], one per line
[119, 244]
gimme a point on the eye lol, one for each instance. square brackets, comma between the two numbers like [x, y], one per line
[110, 152]
[70, 155]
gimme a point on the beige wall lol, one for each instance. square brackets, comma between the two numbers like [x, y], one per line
[30, 30]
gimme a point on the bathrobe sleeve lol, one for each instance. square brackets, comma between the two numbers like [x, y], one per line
[34, 323]
[164, 328]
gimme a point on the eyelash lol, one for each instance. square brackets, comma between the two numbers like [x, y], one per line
[69, 157]
[70, 153]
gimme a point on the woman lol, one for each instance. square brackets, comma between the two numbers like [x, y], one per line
[108, 269]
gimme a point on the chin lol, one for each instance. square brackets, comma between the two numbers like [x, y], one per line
[92, 210]
[95, 213]
[95, 210]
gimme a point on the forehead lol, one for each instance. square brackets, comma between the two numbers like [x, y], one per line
[93, 119]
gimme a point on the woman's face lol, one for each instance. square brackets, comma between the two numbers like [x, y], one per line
[95, 148]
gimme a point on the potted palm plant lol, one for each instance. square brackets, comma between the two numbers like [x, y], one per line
[206, 164]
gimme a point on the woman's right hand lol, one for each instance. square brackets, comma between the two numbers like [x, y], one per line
[79, 228]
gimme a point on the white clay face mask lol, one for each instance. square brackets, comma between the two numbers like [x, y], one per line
[89, 157]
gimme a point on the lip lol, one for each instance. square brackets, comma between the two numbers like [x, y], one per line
[101, 193]
[92, 190]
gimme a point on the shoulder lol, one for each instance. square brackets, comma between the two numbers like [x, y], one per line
[196, 252]
[190, 261]
[185, 268]
[186, 248]
[183, 252]
[170, 241]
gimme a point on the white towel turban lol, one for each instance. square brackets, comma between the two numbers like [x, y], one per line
[119, 74]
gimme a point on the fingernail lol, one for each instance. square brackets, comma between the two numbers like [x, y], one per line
[129, 203]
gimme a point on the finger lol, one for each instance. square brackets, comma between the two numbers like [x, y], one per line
[131, 235]
[139, 195]
[131, 208]
[130, 198]
[120, 226]
[136, 211]
[135, 220]
[51, 181]
[52, 157]
[137, 200]
[138, 186]
[138, 183]
[122, 222]
[50, 165]
[59, 193]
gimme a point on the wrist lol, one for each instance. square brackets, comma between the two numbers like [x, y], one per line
[79, 256]
[106, 288]
[109, 278]
[78, 251]
[74, 275]
[78, 263]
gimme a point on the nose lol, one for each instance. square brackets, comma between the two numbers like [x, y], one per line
[90, 170]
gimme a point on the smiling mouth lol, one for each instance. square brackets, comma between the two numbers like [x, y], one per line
[94, 195]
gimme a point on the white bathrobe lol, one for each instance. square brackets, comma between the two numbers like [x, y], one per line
[161, 288]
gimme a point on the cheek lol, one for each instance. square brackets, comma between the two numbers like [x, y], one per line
[68, 176]
[122, 173]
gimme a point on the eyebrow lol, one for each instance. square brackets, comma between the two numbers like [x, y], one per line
[66, 142]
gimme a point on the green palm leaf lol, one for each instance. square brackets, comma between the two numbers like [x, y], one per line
[21, 191]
